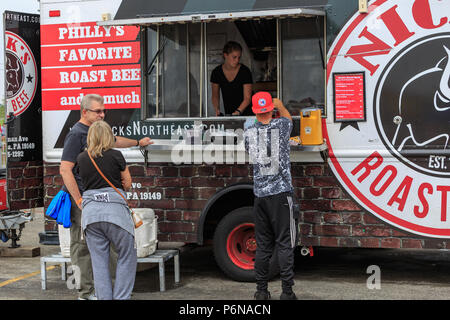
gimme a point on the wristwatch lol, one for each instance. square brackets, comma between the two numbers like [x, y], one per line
[137, 143]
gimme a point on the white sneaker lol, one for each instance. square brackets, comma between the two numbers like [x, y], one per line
[91, 297]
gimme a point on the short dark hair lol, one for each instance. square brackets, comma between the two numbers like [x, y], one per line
[231, 46]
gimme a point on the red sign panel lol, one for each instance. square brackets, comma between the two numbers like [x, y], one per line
[83, 58]
[349, 97]
[3, 204]
[115, 98]
[91, 54]
[86, 32]
[89, 77]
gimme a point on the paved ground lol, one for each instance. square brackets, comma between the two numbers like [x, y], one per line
[332, 274]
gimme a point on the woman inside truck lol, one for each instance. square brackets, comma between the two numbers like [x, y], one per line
[234, 80]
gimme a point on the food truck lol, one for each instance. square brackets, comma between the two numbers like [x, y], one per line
[378, 71]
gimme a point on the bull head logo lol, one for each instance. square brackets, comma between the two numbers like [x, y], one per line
[13, 75]
[424, 117]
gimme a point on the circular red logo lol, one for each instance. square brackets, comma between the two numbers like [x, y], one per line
[395, 160]
[21, 74]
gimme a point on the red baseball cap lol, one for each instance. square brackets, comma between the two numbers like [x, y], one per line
[262, 102]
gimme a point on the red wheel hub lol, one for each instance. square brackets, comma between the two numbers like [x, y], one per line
[241, 246]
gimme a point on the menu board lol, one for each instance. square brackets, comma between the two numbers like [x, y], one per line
[349, 97]
[86, 58]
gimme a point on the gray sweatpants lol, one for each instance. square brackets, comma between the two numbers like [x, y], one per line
[80, 256]
[99, 235]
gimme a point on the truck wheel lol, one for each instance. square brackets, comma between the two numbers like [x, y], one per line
[235, 246]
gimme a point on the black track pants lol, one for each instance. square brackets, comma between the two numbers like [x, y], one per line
[275, 226]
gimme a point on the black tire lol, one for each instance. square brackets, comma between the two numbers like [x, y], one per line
[238, 217]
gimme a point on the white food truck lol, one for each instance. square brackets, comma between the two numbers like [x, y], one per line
[378, 72]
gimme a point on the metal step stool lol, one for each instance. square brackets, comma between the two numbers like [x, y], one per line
[159, 256]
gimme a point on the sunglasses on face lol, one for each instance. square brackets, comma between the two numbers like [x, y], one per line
[98, 111]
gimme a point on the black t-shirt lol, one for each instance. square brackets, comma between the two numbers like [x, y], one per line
[233, 92]
[111, 164]
[75, 143]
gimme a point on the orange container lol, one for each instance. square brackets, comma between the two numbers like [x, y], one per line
[311, 126]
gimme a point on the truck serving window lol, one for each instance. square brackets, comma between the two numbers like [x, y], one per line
[284, 54]
[173, 71]
[302, 62]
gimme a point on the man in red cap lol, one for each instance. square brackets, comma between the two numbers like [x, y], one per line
[267, 143]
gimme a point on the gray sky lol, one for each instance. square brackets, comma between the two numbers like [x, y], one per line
[26, 6]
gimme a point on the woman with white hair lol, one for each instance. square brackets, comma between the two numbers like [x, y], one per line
[106, 218]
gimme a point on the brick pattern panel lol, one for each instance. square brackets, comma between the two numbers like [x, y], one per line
[185, 191]
[52, 184]
[328, 217]
[25, 185]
